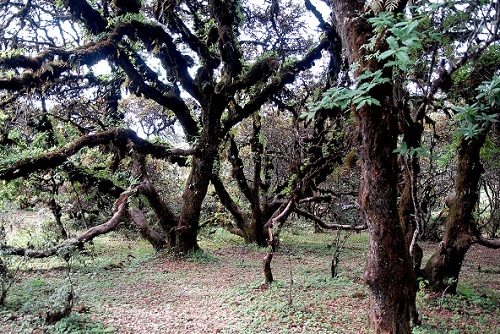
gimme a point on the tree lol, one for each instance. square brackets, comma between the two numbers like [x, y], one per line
[212, 79]
[256, 180]
[461, 231]
[388, 271]
[277, 156]
[210, 66]
[382, 41]
[465, 47]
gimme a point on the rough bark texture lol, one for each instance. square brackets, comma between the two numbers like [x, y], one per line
[388, 270]
[193, 195]
[443, 268]
[199, 177]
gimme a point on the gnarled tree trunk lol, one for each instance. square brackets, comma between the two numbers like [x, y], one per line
[199, 177]
[192, 197]
[443, 268]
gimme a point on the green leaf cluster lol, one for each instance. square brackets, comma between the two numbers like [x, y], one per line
[490, 90]
[420, 152]
[343, 97]
[403, 38]
[476, 118]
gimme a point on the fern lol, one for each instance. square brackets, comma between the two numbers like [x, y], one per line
[391, 5]
[378, 6]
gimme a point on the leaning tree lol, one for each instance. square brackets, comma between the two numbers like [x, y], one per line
[469, 76]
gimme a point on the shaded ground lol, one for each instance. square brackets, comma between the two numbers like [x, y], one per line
[122, 286]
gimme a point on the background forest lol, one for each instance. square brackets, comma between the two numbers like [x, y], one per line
[221, 126]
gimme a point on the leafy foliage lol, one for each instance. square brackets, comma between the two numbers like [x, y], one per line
[477, 118]
[342, 97]
[402, 37]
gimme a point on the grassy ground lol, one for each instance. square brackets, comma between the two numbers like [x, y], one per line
[123, 286]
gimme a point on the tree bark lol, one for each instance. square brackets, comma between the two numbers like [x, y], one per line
[147, 231]
[168, 220]
[201, 172]
[251, 225]
[409, 213]
[117, 136]
[279, 217]
[443, 268]
[409, 209]
[266, 261]
[388, 270]
[490, 243]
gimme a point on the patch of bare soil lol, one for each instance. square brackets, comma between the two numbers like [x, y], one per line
[171, 296]
[482, 268]
[175, 296]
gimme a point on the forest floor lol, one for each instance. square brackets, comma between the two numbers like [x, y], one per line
[122, 286]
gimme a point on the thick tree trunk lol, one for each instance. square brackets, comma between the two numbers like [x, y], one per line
[194, 193]
[443, 268]
[388, 272]
[199, 177]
